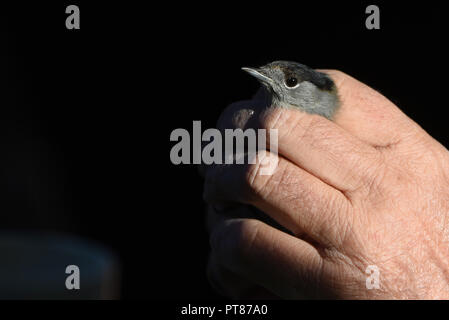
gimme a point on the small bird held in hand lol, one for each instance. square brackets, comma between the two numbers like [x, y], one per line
[294, 85]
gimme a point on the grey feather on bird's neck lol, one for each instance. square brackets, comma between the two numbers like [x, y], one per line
[307, 97]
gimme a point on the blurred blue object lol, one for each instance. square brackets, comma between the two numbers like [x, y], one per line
[33, 266]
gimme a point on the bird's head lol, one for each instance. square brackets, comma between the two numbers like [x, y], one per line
[295, 85]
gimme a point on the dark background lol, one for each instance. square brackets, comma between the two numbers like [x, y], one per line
[86, 115]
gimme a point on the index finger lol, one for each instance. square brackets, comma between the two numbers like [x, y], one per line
[322, 148]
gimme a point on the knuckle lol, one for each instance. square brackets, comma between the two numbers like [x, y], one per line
[256, 183]
[252, 177]
[245, 234]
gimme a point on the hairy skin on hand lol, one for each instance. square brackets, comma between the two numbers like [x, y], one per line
[369, 188]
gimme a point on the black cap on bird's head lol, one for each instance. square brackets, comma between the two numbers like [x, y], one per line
[292, 84]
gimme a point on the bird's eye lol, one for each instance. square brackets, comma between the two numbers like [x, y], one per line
[291, 82]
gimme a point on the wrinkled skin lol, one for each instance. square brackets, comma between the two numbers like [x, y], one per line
[369, 188]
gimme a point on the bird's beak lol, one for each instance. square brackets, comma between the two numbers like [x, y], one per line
[258, 74]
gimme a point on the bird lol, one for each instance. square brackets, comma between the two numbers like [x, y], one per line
[293, 85]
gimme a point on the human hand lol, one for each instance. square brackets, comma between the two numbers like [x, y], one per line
[370, 188]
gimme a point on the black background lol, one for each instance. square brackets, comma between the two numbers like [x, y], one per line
[86, 115]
